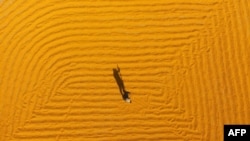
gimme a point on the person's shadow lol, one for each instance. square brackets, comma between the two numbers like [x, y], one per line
[119, 81]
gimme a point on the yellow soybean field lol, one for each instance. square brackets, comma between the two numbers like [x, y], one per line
[184, 63]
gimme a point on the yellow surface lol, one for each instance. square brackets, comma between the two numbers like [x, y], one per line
[186, 64]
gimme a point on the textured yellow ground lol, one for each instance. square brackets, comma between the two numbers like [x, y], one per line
[186, 64]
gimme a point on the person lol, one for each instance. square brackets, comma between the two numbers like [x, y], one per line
[119, 81]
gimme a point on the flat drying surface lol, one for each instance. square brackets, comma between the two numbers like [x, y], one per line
[186, 64]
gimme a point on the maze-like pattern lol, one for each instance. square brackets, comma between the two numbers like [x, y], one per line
[185, 64]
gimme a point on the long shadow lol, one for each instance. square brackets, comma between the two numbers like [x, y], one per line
[120, 83]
